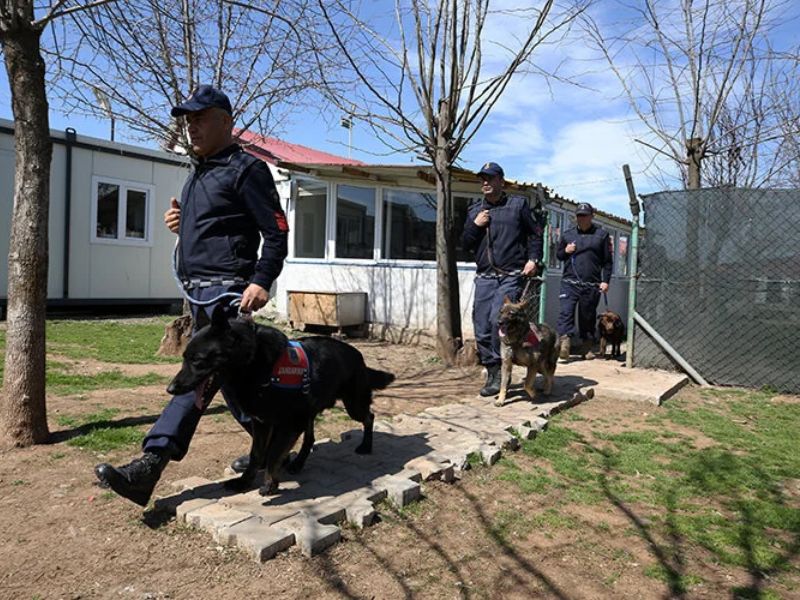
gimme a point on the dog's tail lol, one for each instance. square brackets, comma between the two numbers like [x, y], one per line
[379, 379]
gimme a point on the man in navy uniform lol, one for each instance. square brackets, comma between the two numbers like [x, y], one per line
[229, 204]
[507, 243]
[588, 256]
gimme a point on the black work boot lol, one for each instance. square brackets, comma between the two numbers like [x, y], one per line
[240, 464]
[586, 349]
[136, 480]
[492, 387]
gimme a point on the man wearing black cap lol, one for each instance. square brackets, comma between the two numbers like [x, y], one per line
[507, 242]
[587, 255]
[229, 205]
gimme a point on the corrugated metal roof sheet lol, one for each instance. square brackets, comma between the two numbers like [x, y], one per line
[272, 150]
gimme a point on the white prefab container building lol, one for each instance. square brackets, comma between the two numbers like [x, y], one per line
[107, 240]
[362, 231]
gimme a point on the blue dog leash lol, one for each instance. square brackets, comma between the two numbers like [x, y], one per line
[236, 296]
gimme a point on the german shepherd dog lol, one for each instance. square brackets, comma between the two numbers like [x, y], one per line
[240, 355]
[526, 344]
[611, 331]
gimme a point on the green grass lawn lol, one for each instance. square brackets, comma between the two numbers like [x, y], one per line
[102, 340]
[109, 340]
[725, 497]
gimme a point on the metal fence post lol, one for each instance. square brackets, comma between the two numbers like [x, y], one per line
[545, 261]
[634, 252]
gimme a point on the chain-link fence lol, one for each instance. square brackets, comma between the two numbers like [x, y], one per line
[532, 293]
[720, 281]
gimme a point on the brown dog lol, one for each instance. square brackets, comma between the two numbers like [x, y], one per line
[527, 344]
[611, 331]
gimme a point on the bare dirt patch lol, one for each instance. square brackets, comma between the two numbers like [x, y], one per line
[63, 537]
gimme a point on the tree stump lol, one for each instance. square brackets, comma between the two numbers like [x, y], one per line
[176, 335]
[467, 355]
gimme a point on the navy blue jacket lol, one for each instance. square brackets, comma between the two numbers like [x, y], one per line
[227, 201]
[515, 236]
[593, 254]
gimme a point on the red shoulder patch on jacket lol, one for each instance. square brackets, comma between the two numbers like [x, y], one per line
[280, 219]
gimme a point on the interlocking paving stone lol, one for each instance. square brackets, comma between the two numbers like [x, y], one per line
[260, 542]
[337, 484]
[215, 516]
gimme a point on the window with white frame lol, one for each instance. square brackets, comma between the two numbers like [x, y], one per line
[355, 222]
[409, 225]
[310, 221]
[121, 211]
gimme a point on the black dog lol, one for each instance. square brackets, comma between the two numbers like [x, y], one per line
[240, 355]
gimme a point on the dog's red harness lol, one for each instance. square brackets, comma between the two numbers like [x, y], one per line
[291, 370]
[531, 340]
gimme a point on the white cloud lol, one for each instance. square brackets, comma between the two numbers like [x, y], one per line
[585, 161]
[507, 139]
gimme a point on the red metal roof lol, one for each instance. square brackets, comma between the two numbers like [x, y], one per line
[272, 150]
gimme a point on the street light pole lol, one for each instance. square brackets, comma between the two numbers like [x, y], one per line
[105, 104]
[347, 123]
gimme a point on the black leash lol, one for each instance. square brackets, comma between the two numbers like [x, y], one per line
[582, 283]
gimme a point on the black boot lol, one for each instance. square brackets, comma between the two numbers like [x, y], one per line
[492, 387]
[136, 480]
[240, 464]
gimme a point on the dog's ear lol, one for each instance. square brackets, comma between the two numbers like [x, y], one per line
[219, 318]
[506, 300]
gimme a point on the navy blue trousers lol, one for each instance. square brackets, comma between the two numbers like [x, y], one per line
[489, 295]
[174, 429]
[586, 300]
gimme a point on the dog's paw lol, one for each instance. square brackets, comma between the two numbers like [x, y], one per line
[364, 449]
[499, 402]
[269, 490]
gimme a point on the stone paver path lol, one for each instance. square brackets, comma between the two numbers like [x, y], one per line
[337, 484]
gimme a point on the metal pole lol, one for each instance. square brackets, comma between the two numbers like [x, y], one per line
[542, 201]
[633, 274]
[545, 261]
[670, 350]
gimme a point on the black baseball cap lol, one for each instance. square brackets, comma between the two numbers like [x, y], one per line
[584, 208]
[205, 96]
[491, 169]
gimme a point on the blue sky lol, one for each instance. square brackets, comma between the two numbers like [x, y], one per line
[572, 139]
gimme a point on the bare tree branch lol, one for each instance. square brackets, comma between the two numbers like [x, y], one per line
[702, 78]
[56, 12]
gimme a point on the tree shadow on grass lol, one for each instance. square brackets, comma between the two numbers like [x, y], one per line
[64, 435]
[722, 473]
[713, 474]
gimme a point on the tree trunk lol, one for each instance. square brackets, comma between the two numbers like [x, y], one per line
[448, 305]
[694, 154]
[23, 414]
